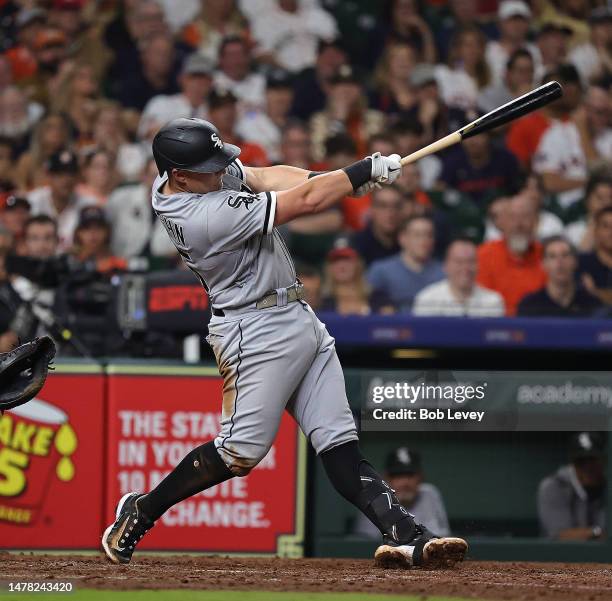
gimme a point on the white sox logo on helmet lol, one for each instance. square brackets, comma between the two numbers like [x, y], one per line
[215, 138]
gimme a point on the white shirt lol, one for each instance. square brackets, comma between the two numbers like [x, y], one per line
[67, 220]
[586, 60]
[293, 37]
[250, 91]
[163, 108]
[437, 299]
[575, 232]
[457, 88]
[177, 19]
[548, 225]
[560, 151]
[497, 59]
[256, 125]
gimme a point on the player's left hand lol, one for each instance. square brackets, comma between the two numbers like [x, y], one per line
[385, 169]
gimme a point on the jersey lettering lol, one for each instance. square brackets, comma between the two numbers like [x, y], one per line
[175, 231]
[236, 201]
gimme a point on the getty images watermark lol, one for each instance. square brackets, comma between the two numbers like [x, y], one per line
[485, 400]
[425, 394]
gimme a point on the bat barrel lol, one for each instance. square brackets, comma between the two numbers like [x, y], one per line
[514, 109]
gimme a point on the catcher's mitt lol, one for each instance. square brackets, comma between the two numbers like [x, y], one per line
[23, 371]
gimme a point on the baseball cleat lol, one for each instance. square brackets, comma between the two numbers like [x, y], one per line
[435, 553]
[121, 537]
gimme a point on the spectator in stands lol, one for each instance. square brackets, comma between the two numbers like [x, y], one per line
[345, 288]
[195, 84]
[310, 277]
[135, 229]
[311, 86]
[223, 109]
[92, 235]
[40, 238]
[593, 58]
[99, 176]
[401, 277]
[295, 146]
[288, 32]
[408, 26]
[479, 169]
[404, 474]
[346, 112]
[217, 19]
[378, 240]
[548, 224]
[158, 74]
[7, 164]
[518, 79]
[595, 268]
[430, 110]
[111, 133]
[266, 126]
[458, 295]
[467, 72]
[593, 120]
[560, 297]
[572, 14]
[29, 23]
[59, 199]
[552, 41]
[598, 195]
[408, 137]
[572, 501]
[513, 17]
[51, 134]
[13, 217]
[234, 74]
[18, 117]
[394, 93]
[512, 266]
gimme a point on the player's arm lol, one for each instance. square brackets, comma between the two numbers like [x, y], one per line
[316, 194]
[278, 177]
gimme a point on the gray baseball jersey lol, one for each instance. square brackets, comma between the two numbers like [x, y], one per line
[271, 360]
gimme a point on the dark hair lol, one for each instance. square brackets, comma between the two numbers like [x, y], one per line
[457, 239]
[231, 39]
[40, 220]
[340, 143]
[558, 238]
[565, 73]
[602, 213]
[294, 123]
[516, 55]
[597, 179]
[408, 126]
[406, 223]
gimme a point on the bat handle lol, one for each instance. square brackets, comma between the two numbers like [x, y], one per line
[436, 146]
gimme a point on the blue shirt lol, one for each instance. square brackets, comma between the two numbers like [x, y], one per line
[400, 284]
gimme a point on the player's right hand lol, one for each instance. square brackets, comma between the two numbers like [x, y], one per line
[385, 169]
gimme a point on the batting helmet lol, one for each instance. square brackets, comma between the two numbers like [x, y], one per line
[192, 145]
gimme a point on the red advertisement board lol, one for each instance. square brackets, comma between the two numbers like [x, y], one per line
[51, 456]
[154, 421]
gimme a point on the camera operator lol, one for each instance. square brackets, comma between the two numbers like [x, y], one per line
[27, 305]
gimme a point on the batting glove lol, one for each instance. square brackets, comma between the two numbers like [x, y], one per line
[385, 170]
[366, 189]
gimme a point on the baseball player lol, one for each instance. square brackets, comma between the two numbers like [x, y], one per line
[272, 351]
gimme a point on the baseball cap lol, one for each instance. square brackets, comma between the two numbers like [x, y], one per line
[342, 250]
[345, 74]
[423, 74]
[586, 445]
[403, 461]
[196, 64]
[28, 15]
[92, 215]
[513, 8]
[16, 202]
[220, 97]
[279, 78]
[601, 14]
[64, 161]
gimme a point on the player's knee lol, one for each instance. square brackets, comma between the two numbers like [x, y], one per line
[241, 462]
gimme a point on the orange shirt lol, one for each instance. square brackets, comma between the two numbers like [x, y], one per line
[524, 136]
[23, 64]
[513, 277]
[253, 154]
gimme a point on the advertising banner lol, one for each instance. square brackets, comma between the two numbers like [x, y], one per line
[51, 460]
[156, 416]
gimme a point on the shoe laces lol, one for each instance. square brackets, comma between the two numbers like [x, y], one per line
[136, 528]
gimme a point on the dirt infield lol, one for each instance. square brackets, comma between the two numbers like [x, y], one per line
[478, 580]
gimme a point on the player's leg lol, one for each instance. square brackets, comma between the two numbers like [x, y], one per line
[321, 408]
[261, 364]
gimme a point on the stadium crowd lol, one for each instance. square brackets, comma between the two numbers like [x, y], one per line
[518, 222]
